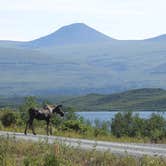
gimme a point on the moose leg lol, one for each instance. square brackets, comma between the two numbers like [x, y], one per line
[32, 127]
[33, 130]
[25, 132]
[50, 128]
[48, 122]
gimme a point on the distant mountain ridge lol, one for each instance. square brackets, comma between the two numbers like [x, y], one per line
[158, 38]
[77, 59]
[76, 33]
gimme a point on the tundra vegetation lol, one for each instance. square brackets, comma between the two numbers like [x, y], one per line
[124, 127]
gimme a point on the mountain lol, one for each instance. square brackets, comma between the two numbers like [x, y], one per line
[146, 99]
[160, 38]
[11, 44]
[76, 59]
[77, 33]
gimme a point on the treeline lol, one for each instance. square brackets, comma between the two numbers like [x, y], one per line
[131, 125]
[122, 125]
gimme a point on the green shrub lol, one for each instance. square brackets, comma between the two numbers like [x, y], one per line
[156, 128]
[1, 126]
[99, 132]
[121, 124]
[74, 125]
[101, 128]
[70, 114]
[9, 118]
[56, 121]
[51, 160]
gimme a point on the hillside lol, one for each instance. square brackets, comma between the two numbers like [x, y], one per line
[133, 100]
[77, 60]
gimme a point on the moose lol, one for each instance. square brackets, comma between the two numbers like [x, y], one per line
[44, 113]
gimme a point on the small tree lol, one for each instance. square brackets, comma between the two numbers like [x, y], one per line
[138, 126]
[156, 127]
[117, 125]
[29, 102]
[70, 114]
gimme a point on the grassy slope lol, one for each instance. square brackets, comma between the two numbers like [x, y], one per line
[136, 100]
[16, 101]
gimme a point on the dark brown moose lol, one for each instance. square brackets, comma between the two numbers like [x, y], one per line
[44, 113]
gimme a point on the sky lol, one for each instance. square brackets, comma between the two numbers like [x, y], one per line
[25, 20]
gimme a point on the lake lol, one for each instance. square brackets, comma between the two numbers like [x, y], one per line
[107, 116]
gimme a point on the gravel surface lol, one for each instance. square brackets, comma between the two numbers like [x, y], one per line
[135, 149]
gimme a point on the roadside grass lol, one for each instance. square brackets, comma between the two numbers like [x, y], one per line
[25, 153]
[89, 135]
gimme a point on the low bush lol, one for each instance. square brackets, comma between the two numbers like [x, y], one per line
[51, 160]
[9, 118]
[74, 125]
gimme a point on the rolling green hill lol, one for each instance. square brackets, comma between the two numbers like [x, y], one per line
[133, 100]
[146, 99]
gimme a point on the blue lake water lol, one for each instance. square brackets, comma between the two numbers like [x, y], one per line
[107, 116]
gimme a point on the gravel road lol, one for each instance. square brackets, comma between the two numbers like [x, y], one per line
[134, 149]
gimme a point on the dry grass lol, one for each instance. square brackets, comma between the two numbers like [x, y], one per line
[22, 153]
